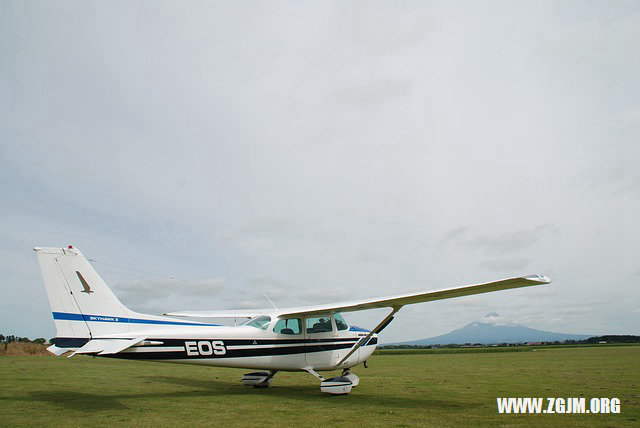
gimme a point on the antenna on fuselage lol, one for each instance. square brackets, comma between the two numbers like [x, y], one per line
[273, 304]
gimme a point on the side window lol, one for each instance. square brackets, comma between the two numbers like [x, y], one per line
[340, 322]
[319, 325]
[288, 326]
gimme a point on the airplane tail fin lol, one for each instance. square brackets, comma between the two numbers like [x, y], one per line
[78, 297]
[85, 309]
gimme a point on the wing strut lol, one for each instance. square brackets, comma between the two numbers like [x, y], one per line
[374, 330]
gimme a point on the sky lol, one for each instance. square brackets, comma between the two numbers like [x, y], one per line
[205, 153]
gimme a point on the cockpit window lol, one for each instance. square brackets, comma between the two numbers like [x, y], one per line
[261, 322]
[340, 322]
[319, 325]
[288, 326]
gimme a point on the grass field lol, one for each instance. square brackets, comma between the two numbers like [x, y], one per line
[421, 389]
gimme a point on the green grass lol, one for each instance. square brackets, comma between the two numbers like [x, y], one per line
[421, 389]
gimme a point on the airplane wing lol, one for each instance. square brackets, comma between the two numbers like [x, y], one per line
[240, 313]
[395, 302]
[398, 301]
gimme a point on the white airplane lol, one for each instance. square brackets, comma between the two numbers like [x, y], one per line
[90, 319]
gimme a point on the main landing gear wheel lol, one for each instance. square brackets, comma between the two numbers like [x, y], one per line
[258, 379]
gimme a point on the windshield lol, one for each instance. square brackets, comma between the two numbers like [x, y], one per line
[261, 322]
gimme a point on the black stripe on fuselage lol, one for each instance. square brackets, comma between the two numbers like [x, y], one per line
[76, 342]
[257, 351]
[256, 342]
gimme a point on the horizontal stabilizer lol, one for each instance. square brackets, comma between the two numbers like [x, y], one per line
[57, 351]
[107, 346]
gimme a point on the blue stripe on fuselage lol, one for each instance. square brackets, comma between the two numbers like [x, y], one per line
[354, 328]
[103, 318]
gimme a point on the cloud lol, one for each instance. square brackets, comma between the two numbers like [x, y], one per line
[268, 280]
[146, 288]
[455, 236]
[249, 304]
[626, 121]
[500, 243]
[573, 310]
[370, 94]
[512, 241]
[269, 228]
[506, 264]
[494, 318]
[616, 180]
[324, 295]
[284, 292]
[161, 295]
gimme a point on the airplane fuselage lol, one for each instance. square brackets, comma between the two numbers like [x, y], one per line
[245, 347]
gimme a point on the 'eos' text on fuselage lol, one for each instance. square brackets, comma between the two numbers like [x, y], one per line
[205, 347]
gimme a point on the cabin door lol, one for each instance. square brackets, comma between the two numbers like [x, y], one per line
[320, 337]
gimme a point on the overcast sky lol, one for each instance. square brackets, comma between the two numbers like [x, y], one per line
[323, 151]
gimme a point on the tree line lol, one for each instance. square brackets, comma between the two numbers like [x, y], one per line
[610, 338]
[11, 338]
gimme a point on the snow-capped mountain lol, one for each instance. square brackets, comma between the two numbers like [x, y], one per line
[495, 329]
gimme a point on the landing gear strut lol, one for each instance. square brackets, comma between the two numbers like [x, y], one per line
[259, 379]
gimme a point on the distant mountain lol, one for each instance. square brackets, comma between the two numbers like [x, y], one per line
[493, 329]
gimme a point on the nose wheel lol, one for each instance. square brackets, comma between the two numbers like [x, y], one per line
[339, 385]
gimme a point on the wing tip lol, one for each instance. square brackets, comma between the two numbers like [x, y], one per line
[538, 279]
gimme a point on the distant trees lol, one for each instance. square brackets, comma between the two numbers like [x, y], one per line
[11, 338]
[620, 338]
[612, 338]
